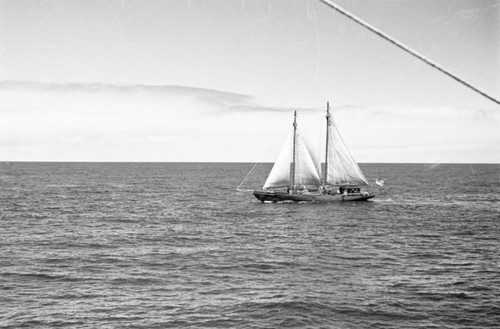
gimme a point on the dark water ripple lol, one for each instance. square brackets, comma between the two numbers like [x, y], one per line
[173, 245]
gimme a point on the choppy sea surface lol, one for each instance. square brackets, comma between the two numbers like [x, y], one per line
[160, 245]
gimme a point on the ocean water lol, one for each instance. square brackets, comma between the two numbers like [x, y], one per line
[172, 245]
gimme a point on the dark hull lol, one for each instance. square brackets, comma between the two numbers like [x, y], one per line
[265, 196]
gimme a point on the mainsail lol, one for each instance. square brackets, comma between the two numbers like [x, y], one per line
[340, 165]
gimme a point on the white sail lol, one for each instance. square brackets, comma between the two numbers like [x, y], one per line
[306, 171]
[341, 166]
[280, 174]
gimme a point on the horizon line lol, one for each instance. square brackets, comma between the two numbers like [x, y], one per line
[226, 162]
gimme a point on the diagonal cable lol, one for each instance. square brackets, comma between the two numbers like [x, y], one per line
[407, 49]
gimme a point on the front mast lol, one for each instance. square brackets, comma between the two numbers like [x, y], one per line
[292, 171]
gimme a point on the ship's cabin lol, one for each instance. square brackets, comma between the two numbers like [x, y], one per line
[349, 189]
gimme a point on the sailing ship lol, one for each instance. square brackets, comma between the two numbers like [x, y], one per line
[297, 175]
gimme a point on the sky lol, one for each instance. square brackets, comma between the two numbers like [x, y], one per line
[218, 80]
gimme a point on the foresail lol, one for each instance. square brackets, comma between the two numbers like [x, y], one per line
[306, 171]
[342, 168]
[280, 174]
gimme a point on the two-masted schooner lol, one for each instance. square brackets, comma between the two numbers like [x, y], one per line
[297, 175]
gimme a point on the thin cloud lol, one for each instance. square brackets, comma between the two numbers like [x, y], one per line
[94, 121]
[107, 122]
[222, 101]
[251, 108]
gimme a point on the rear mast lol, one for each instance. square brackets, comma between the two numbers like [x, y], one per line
[327, 135]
